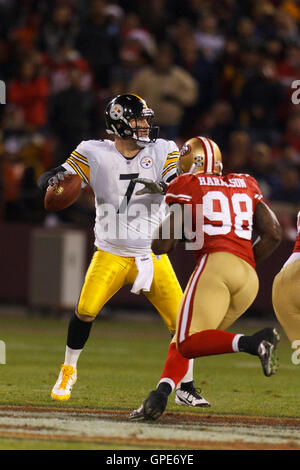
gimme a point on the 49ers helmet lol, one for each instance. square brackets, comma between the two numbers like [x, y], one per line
[121, 110]
[200, 155]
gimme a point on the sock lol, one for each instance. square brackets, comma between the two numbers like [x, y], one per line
[78, 332]
[244, 344]
[175, 367]
[189, 375]
[187, 386]
[72, 356]
[207, 343]
[251, 343]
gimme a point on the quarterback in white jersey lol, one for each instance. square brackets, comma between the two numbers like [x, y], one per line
[124, 221]
[126, 216]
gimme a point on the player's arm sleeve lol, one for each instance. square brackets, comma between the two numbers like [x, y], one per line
[169, 171]
[179, 190]
[256, 190]
[78, 163]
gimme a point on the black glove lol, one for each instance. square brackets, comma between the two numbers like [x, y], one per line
[60, 176]
[44, 180]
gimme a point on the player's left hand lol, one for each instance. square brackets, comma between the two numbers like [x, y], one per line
[60, 176]
[150, 186]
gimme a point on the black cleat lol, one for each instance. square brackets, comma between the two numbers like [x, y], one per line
[152, 408]
[267, 353]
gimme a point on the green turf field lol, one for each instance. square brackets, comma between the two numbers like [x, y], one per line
[122, 362]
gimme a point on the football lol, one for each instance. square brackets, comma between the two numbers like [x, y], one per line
[62, 195]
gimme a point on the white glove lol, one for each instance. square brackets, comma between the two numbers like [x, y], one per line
[60, 176]
[150, 187]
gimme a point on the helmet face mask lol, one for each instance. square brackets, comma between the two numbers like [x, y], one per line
[200, 155]
[124, 109]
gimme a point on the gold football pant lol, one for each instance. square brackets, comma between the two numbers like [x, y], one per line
[107, 273]
[219, 291]
[286, 299]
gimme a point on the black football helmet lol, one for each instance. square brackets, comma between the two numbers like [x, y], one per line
[121, 110]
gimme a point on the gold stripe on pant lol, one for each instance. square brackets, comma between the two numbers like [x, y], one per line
[217, 294]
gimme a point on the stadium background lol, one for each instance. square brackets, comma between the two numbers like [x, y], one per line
[63, 60]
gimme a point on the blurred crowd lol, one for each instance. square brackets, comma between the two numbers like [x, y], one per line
[220, 68]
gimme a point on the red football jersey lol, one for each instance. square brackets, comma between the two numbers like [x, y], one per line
[228, 204]
[297, 243]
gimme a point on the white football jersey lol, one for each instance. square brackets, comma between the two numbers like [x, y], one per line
[124, 221]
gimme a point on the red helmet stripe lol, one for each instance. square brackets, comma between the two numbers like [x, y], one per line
[209, 155]
[212, 155]
[205, 152]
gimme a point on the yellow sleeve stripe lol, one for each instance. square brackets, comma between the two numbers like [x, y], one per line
[173, 153]
[80, 156]
[82, 167]
[75, 158]
[84, 173]
[169, 167]
[171, 157]
[169, 161]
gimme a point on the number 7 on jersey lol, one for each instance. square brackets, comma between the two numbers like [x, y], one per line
[129, 192]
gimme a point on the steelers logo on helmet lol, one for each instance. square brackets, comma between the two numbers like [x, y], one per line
[146, 162]
[121, 110]
[116, 111]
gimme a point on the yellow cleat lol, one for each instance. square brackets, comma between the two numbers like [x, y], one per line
[63, 387]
